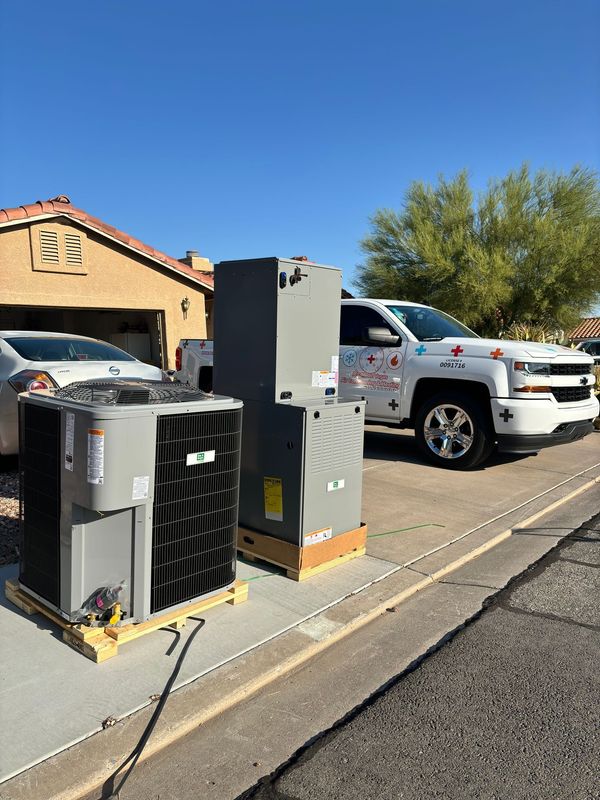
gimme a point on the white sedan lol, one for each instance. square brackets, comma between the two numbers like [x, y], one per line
[32, 360]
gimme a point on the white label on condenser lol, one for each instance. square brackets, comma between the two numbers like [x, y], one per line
[318, 536]
[95, 456]
[324, 379]
[69, 440]
[140, 487]
[333, 486]
[200, 458]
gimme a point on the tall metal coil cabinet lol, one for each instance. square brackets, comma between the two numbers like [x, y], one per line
[132, 484]
[277, 325]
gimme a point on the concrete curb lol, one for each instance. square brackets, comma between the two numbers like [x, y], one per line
[60, 777]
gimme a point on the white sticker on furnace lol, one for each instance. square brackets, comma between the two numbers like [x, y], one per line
[95, 456]
[333, 486]
[200, 458]
[335, 367]
[69, 440]
[140, 487]
[324, 379]
[318, 536]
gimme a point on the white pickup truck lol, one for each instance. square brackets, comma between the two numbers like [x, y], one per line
[419, 368]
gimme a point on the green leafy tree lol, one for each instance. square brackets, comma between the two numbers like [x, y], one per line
[527, 250]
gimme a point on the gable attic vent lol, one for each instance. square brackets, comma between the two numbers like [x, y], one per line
[73, 251]
[49, 247]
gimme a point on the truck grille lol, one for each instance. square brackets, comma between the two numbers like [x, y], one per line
[195, 512]
[570, 369]
[571, 394]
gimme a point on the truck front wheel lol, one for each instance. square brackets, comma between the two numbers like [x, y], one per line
[453, 432]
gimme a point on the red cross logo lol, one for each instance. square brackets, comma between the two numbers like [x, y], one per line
[456, 351]
[202, 345]
[496, 353]
[371, 358]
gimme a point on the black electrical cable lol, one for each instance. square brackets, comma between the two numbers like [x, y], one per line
[109, 784]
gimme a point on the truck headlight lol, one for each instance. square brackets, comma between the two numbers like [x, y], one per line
[532, 368]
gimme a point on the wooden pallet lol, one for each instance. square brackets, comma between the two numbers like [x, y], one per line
[301, 563]
[100, 644]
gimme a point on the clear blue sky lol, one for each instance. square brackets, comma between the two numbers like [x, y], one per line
[263, 127]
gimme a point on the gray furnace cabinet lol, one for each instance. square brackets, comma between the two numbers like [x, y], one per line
[277, 324]
[301, 476]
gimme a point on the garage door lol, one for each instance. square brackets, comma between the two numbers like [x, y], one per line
[139, 333]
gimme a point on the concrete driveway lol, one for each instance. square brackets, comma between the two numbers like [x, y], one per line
[401, 492]
[423, 523]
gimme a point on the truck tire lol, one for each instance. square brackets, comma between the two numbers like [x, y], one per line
[453, 431]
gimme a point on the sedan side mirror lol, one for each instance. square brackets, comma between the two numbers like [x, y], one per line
[382, 336]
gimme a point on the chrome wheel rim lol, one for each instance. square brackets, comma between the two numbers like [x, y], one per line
[449, 431]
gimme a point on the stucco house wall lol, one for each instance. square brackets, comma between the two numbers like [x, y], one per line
[103, 274]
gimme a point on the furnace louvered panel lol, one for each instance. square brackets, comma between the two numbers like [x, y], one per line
[40, 500]
[195, 508]
[336, 442]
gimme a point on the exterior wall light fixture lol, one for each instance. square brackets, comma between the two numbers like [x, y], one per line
[185, 306]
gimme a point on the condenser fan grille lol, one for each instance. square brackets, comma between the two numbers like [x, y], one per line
[195, 512]
[122, 392]
[40, 494]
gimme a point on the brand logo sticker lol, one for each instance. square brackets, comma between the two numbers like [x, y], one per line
[200, 458]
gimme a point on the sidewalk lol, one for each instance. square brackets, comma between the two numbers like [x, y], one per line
[423, 522]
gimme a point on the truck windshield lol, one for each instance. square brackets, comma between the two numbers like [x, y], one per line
[429, 324]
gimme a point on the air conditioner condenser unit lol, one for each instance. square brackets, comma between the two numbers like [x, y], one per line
[129, 489]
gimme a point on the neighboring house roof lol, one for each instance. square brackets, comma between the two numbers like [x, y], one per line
[61, 206]
[588, 328]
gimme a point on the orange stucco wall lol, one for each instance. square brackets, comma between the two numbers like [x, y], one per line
[115, 278]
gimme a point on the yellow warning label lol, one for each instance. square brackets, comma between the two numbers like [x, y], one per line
[273, 488]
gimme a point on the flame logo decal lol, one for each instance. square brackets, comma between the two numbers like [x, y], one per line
[394, 360]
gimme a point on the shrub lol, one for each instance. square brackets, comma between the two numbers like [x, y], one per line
[528, 331]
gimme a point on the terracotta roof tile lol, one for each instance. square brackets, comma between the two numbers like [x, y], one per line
[32, 209]
[61, 206]
[17, 213]
[588, 328]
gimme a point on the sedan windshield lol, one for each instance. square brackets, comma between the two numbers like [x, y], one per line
[429, 324]
[54, 349]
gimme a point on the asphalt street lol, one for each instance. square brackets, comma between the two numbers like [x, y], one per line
[508, 708]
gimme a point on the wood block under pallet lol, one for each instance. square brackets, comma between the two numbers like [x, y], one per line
[100, 644]
[301, 563]
[126, 633]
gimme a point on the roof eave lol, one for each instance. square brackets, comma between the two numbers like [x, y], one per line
[98, 231]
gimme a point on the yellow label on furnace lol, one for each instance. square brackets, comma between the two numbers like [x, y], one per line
[273, 488]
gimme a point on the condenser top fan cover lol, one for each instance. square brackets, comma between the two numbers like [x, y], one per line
[124, 392]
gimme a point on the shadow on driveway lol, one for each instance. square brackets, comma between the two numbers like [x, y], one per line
[400, 445]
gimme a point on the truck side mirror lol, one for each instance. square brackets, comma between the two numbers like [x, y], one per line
[382, 336]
